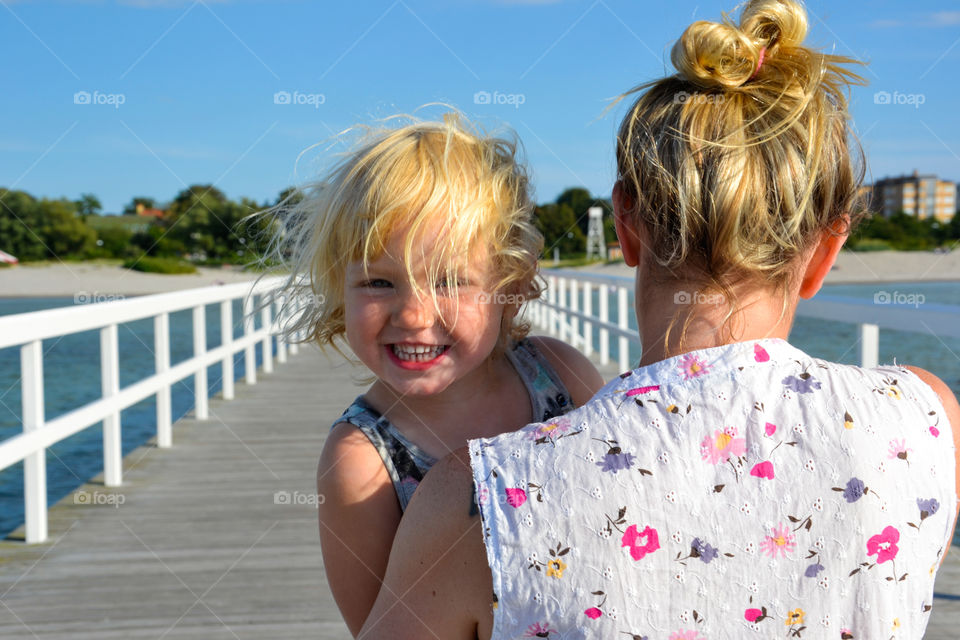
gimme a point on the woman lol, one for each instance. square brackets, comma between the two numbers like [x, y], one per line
[731, 483]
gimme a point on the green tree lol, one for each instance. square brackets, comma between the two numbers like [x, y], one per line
[88, 205]
[115, 242]
[559, 227]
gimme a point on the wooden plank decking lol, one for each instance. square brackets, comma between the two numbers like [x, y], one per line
[201, 547]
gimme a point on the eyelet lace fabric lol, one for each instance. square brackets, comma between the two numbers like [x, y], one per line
[744, 491]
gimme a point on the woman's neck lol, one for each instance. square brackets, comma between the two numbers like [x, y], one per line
[674, 320]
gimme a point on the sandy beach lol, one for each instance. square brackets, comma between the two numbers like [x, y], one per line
[101, 282]
[866, 268]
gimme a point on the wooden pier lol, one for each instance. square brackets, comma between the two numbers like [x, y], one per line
[213, 538]
[217, 537]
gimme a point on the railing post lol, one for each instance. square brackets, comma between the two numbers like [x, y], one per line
[575, 307]
[161, 355]
[249, 354]
[587, 325]
[35, 464]
[293, 346]
[200, 390]
[281, 345]
[624, 346]
[552, 299]
[267, 326]
[226, 339]
[110, 385]
[604, 318]
[562, 303]
[869, 346]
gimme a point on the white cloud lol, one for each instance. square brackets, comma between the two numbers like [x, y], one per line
[946, 18]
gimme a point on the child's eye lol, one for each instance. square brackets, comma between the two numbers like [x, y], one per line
[376, 283]
[446, 283]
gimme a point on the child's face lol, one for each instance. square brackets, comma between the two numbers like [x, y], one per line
[402, 339]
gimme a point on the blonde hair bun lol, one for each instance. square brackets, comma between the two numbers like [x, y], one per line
[724, 55]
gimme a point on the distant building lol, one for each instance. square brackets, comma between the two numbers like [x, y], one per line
[917, 195]
[7, 258]
[149, 213]
[613, 251]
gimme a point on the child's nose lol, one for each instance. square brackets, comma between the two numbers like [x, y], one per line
[414, 312]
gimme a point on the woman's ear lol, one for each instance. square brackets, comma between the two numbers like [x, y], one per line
[824, 256]
[625, 225]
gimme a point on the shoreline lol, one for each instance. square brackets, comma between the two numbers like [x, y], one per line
[868, 268]
[96, 282]
[92, 281]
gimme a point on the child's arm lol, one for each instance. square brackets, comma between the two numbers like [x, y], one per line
[575, 370]
[359, 514]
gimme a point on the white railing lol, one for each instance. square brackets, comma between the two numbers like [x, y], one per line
[27, 330]
[567, 306]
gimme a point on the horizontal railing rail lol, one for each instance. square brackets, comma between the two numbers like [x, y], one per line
[28, 330]
[566, 310]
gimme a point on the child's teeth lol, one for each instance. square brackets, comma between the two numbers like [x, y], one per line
[417, 353]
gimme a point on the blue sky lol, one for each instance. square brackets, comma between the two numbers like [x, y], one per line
[197, 81]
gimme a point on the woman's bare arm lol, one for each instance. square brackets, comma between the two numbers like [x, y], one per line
[438, 584]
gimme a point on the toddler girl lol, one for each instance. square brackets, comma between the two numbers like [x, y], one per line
[420, 249]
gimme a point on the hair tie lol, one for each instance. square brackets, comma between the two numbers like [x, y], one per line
[763, 52]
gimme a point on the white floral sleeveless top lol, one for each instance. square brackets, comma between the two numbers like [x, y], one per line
[744, 491]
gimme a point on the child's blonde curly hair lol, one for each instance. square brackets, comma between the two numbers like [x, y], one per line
[418, 179]
[736, 163]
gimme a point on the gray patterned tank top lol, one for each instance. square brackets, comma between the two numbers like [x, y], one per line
[407, 463]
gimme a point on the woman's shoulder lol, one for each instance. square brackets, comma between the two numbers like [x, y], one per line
[946, 395]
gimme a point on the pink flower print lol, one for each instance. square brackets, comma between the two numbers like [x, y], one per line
[760, 354]
[751, 615]
[935, 432]
[686, 634]
[483, 496]
[763, 470]
[691, 366]
[898, 449]
[593, 613]
[884, 545]
[516, 497]
[780, 543]
[640, 542]
[642, 390]
[770, 428]
[548, 431]
[538, 630]
[723, 444]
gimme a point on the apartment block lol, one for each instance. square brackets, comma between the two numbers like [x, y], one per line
[917, 195]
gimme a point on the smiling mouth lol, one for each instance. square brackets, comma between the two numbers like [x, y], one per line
[417, 353]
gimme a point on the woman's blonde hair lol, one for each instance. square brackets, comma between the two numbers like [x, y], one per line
[449, 188]
[737, 162]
